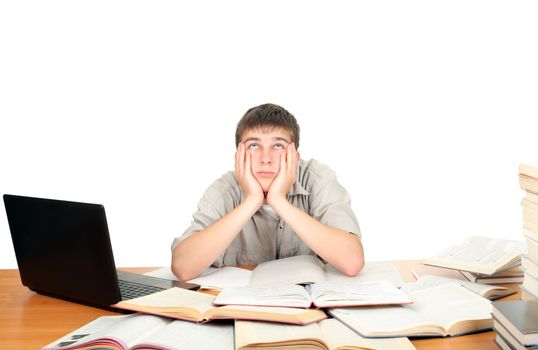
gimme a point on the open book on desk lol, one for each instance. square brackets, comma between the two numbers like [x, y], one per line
[425, 279]
[138, 331]
[324, 335]
[198, 307]
[294, 268]
[480, 255]
[446, 310]
[308, 269]
[321, 295]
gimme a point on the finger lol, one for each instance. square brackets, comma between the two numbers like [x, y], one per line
[248, 164]
[236, 164]
[291, 158]
[283, 163]
[241, 160]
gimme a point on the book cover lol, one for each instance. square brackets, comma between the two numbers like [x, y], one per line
[520, 318]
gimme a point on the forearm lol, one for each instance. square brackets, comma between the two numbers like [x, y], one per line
[197, 252]
[339, 248]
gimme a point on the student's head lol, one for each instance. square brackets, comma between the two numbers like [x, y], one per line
[266, 131]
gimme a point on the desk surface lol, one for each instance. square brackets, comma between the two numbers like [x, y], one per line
[31, 321]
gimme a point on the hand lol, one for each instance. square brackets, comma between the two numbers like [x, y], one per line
[243, 173]
[286, 175]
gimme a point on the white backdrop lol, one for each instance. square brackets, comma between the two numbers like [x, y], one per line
[423, 108]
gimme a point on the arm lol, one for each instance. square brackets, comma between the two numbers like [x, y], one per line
[198, 251]
[339, 248]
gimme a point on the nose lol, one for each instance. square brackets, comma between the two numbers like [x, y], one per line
[266, 156]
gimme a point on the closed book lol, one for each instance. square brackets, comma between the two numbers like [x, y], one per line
[530, 267]
[529, 169]
[531, 234]
[508, 338]
[532, 248]
[493, 279]
[519, 318]
[530, 284]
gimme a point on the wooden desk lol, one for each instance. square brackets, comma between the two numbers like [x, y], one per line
[31, 321]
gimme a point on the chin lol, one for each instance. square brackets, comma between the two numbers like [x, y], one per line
[265, 185]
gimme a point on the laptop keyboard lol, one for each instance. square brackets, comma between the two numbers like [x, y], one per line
[130, 290]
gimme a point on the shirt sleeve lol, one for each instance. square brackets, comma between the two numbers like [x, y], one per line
[216, 202]
[330, 203]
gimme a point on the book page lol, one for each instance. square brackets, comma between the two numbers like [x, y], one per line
[264, 333]
[267, 313]
[287, 296]
[372, 271]
[294, 270]
[187, 335]
[484, 290]
[331, 294]
[381, 321]
[479, 254]
[124, 331]
[449, 304]
[337, 335]
[434, 310]
[420, 270]
[219, 279]
[174, 298]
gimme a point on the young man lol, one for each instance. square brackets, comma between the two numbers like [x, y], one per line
[273, 206]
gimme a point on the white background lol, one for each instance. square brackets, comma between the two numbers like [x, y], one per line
[423, 108]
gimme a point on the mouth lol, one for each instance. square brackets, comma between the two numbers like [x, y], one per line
[265, 174]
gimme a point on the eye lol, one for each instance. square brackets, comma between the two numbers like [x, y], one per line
[279, 146]
[253, 146]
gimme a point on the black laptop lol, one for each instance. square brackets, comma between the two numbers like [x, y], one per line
[63, 250]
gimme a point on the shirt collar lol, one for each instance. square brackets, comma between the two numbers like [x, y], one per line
[297, 188]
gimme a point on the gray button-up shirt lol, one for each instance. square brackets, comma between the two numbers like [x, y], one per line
[266, 236]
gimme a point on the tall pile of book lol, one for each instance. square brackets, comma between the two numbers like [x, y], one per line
[528, 180]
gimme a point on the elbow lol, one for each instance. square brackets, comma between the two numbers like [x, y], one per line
[180, 273]
[353, 268]
[355, 262]
[179, 268]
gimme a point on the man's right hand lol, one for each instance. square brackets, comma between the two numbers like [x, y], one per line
[243, 173]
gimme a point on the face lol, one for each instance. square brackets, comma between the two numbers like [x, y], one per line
[265, 150]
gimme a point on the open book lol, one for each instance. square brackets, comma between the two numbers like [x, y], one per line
[481, 255]
[229, 276]
[431, 276]
[327, 335]
[490, 292]
[146, 332]
[321, 294]
[308, 269]
[449, 309]
[198, 307]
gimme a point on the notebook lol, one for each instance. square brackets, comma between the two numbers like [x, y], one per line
[63, 250]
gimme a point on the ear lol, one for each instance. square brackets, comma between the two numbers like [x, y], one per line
[298, 156]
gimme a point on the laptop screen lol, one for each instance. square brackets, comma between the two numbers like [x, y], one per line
[63, 249]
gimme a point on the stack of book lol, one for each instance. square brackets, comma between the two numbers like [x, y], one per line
[484, 260]
[528, 180]
[513, 274]
[516, 324]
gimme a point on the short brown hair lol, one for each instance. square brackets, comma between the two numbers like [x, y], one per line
[267, 117]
